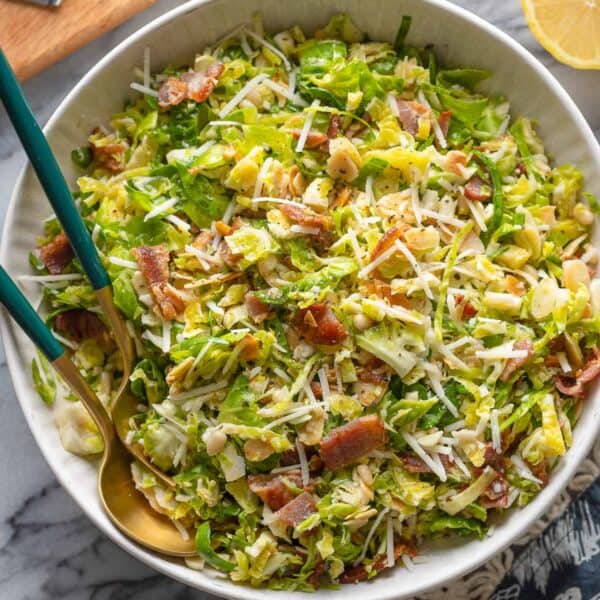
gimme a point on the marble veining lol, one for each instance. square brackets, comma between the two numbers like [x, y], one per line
[48, 548]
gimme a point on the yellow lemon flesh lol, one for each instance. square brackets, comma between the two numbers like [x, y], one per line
[568, 29]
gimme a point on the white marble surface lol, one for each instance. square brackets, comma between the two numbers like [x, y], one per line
[48, 549]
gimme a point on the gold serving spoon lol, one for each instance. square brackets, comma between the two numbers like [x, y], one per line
[127, 507]
[124, 405]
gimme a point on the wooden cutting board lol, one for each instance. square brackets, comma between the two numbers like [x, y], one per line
[35, 37]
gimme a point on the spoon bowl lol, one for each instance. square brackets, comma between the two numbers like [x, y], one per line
[128, 509]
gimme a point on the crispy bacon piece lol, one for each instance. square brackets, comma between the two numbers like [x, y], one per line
[521, 169]
[335, 124]
[57, 254]
[414, 464]
[154, 265]
[316, 389]
[540, 471]
[110, 156]
[168, 299]
[223, 228]
[583, 376]
[190, 86]
[319, 325]
[496, 494]
[477, 189]
[227, 256]
[346, 444]
[409, 113]
[492, 459]
[172, 92]
[456, 160]
[272, 490]
[298, 509]
[290, 457]
[318, 571]
[80, 324]
[360, 573]
[306, 218]
[377, 377]
[201, 85]
[514, 286]
[384, 290]
[467, 309]
[342, 198]
[444, 121]
[257, 309]
[388, 239]
[314, 139]
[552, 361]
[512, 364]
[202, 240]
[250, 348]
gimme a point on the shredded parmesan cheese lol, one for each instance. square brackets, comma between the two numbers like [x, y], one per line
[181, 529]
[325, 392]
[476, 211]
[435, 376]
[263, 42]
[175, 220]
[214, 307]
[151, 337]
[166, 334]
[281, 373]
[443, 218]
[292, 82]
[278, 201]
[306, 127]
[504, 351]
[389, 546]
[415, 265]
[362, 274]
[303, 462]
[496, 441]
[50, 278]
[199, 391]
[523, 470]
[436, 467]
[285, 92]
[250, 85]
[370, 535]
[161, 208]
[261, 176]
[408, 563]
[564, 363]
[369, 189]
[64, 341]
[121, 262]
[138, 87]
[393, 105]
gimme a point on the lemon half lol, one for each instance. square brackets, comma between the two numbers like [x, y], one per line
[568, 29]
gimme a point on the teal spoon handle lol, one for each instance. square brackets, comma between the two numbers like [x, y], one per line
[48, 172]
[29, 321]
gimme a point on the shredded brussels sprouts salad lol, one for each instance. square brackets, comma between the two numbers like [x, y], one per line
[361, 298]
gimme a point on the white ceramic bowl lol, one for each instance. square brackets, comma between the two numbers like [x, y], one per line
[460, 38]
